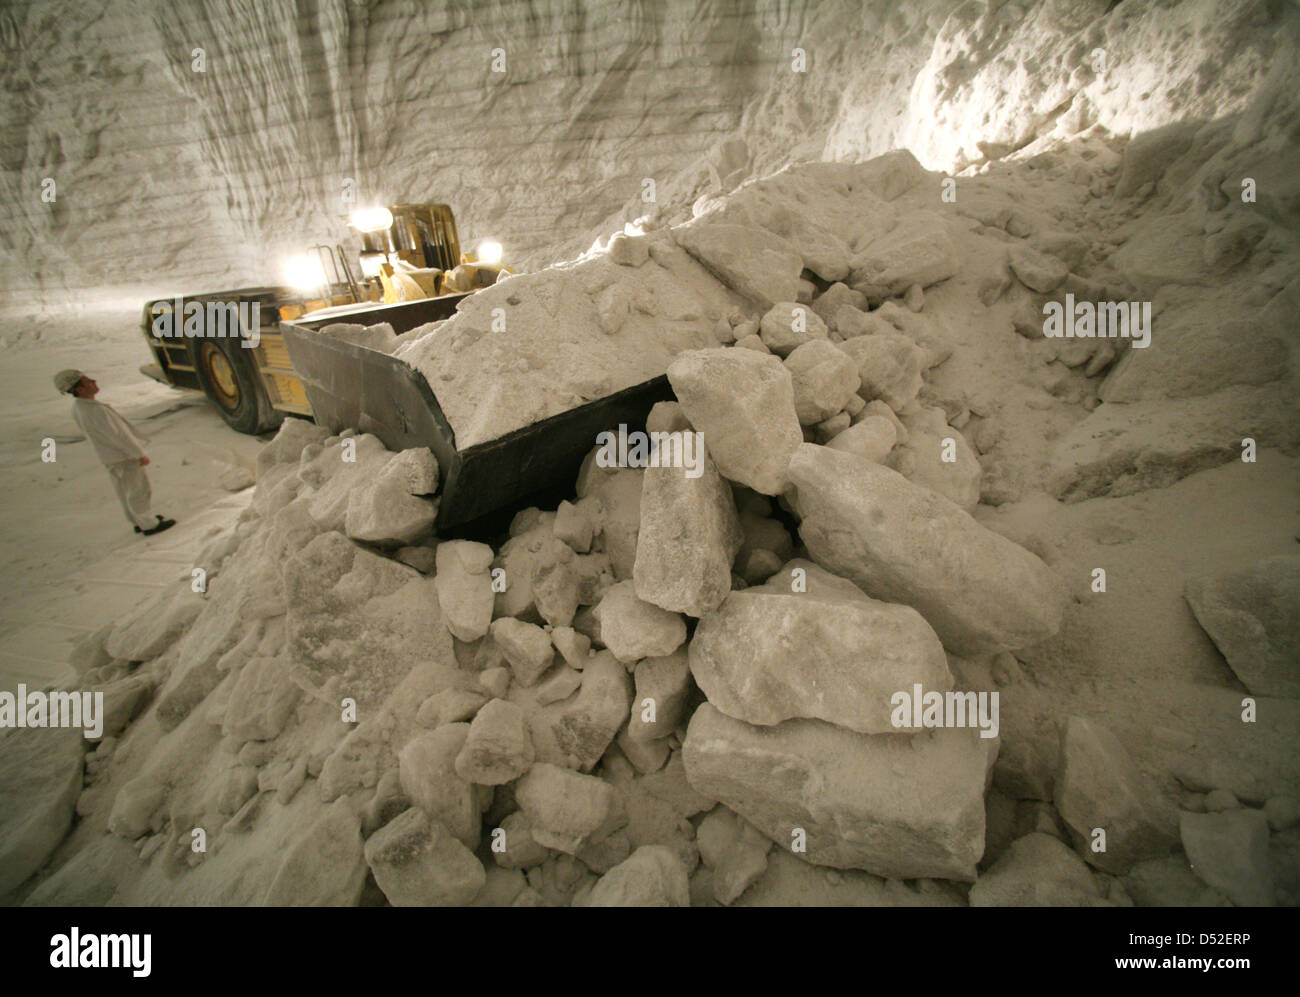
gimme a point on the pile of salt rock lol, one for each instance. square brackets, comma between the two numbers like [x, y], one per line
[675, 689]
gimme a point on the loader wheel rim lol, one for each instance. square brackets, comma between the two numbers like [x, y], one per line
[221, 375]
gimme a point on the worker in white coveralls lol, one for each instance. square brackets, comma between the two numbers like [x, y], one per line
[120, 448]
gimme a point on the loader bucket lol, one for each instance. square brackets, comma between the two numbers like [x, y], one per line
[350, 386]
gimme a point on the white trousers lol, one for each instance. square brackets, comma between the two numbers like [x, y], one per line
[132, 486]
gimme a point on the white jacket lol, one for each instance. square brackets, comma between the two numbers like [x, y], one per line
[114, 438]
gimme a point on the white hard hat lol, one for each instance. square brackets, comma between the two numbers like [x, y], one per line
[66, 380]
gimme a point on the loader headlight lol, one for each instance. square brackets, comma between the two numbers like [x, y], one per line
[371, 219]
[304, 273]
[489, 251]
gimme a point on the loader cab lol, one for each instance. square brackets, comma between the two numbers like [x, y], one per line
[424, 235]
[413, 251]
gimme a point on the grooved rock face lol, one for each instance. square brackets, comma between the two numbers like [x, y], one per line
[899, 806]
[236, 183]
[906, 544]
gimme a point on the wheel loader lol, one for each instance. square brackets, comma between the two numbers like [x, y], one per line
[228, 344]
[258, 355]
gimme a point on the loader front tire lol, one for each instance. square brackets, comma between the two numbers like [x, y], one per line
[230, 379]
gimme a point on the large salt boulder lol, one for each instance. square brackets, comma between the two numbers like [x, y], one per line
[526, 646]
[390, 508]
[464, 586]
[818, 209]
[903, 543]
[262, 700]
[136, 805]
[215, 645]
[123, 701]
[787, 325]
[417, 863]
[427, 770]
[1253, 617]
[824, 379]
[518, 849]
[574, 524]
[618, 497]
[1150, 153]
[1037, 271]
[378, 337]
[367, 619]
[330, 474]
[450, 706]
[634, 629]
[1170, 882]
[283, 452]
[743, 403]
[154, 626]
[924, 458]
[837, 296]
[734, 851]
[889, 367]
[904, 807]
[688, 538]
[586, 727]
[1098, 787]
[564, 809]
[871, 439]
[1229, 851]
[325, 867]
[1037, 870]
[498, 747]
[823, 650]
[652, 876]
[917, 251]
[751, 261]
[662, 687]
[542, 580]
[40, 781]
[767, 544]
